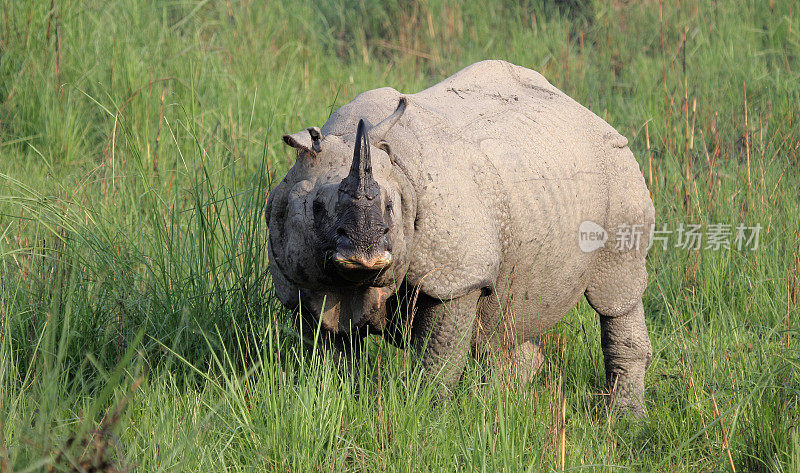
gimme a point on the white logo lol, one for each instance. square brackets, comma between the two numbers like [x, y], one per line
[591, 236]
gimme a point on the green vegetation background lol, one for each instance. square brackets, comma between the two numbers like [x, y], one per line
[138, 329]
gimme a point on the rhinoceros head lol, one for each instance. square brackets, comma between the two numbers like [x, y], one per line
[360, 242]
[349, 210]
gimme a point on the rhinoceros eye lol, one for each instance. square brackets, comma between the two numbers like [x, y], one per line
[389, 206]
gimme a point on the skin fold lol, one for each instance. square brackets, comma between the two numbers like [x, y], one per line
[451, 226]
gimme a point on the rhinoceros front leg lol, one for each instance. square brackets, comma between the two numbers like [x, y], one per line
[317, 320]
[338, 320]
[442, 334]
[346, 352]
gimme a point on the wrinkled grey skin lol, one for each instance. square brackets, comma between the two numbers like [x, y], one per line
[453, 227]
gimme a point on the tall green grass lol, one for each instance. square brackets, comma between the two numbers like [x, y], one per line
[137, 321]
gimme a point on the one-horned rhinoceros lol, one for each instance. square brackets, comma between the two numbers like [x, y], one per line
[479, 202]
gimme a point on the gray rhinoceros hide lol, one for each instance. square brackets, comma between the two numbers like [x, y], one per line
[485, 180]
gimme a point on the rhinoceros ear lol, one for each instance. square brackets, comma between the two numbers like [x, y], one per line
[306, 140]
[379, 131]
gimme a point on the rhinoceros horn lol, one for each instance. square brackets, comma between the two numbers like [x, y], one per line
[360, 182]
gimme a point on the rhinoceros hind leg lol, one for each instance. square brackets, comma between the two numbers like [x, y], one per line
[528, 360]
[617, 297]
[627, 353]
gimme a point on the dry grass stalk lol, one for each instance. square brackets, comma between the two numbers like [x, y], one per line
[649, 161]
[50, 14]
[724, 433]
[687, 145]
[794, 274]
[747, 146]
[158, 130]
[58, 59]
[508, 352]
[563, 425]
[761, 158]
[4, 468]
[694, 117]
[404, 50]
[230, 11]
[664, 58]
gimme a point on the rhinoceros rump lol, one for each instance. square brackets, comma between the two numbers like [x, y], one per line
[453, 224]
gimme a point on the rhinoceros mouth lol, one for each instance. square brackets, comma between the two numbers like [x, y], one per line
[360, 269]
